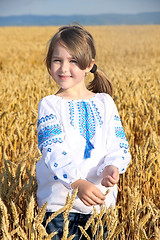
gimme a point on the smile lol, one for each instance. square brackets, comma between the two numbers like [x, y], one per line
[64, 77]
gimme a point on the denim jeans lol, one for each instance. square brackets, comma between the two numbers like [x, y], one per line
[75, 220]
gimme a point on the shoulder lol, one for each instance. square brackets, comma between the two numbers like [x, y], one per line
[48, 105]
[108, 105]
[105, 98]
[47, 100]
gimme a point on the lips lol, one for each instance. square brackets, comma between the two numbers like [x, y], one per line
[64, 77]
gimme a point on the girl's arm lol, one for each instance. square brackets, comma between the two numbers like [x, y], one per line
[51, 142]
[117, 146]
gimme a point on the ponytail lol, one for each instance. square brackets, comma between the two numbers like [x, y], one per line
[100, 83]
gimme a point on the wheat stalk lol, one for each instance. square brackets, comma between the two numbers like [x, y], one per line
[15, 214]
[84, 233]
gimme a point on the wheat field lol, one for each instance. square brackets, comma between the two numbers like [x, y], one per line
[130, 55]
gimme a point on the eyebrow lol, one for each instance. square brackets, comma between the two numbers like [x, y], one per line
[55, 57]
[61, 57]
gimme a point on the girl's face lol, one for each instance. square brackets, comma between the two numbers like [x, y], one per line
[65, 69]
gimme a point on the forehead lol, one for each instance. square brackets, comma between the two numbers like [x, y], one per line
[61, 49]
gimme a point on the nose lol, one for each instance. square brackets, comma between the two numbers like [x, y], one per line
[64, 66]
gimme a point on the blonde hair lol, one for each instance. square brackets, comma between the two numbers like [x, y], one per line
[81, 45]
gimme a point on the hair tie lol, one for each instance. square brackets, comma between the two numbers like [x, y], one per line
[94, 68]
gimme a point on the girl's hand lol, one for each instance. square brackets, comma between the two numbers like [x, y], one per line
[88, 193]
[110, 176]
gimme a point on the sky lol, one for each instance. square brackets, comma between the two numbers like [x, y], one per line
[70, 7]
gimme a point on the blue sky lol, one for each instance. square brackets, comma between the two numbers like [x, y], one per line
[68, 7]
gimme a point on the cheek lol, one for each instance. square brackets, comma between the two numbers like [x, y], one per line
[54, 69]
[78, 71]
[53, 74]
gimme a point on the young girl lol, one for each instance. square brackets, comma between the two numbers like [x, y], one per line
[80, 134]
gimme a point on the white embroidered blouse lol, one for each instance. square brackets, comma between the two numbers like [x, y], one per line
[77, 139]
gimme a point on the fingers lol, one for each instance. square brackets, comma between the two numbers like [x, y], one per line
[89, 194]
[109, 181]
[115, 175]
[110, 176]
[93, 200]
[113, 180]
[97, 197]
[89, 202]
[97, 194]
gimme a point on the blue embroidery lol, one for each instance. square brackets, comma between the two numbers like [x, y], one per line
[119, 131]
[49, 142]
[55, 178]
[99, 118]
[55, 164]
[49, 149]
[87, 111]
[122, 145]
[65, 175]
[48, 132]
[71, 111]
[46, 118]
[64, 153]
[101, 171]
[86, 125]
[117, 118]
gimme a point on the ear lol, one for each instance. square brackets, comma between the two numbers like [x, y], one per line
[90, 66]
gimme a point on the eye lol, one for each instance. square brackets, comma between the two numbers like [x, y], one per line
[56, 60]
[74, 61]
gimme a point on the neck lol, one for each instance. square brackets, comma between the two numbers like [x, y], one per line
[75, 95]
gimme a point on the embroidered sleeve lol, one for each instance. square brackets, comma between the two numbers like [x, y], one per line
[117, 145]
[54, 149]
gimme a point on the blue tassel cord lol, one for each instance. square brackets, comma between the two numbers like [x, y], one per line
[88, 148]
[88, 126]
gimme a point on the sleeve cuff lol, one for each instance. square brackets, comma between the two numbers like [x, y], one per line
[120, 163]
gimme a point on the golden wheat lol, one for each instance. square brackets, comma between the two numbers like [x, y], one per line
[130, 55]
